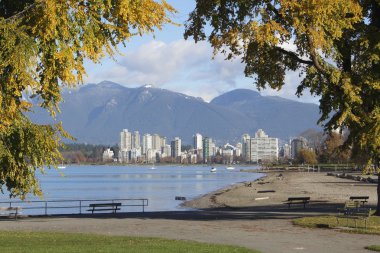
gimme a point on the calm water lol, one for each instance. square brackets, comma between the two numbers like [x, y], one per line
[160, 185]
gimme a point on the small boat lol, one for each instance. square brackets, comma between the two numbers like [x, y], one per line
[213, 169]
[61, 167]
[230, 168]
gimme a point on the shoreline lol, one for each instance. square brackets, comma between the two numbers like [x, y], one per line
[209, 200]
[274, 188]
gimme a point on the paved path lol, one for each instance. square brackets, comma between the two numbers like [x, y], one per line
[267, 232]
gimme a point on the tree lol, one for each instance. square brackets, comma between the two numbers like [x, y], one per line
[43, 47]
[333, 150]
[336, 49]
[307, 156]
[314, 139]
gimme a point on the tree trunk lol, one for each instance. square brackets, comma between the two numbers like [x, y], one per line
[378, 194]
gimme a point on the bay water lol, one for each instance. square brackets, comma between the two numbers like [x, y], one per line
[159, 184]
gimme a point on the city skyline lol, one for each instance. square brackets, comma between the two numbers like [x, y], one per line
[256, 149]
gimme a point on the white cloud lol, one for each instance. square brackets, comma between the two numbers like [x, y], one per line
[185, 67]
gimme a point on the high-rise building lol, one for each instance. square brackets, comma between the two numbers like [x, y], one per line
[147, 143]
[176, 147]
[239, 148]
[136, 141]
[198, 141]
[163, 142]
[207, 149]
[261, 148]
[125, 140]
[156, 142]
[245, 146]
[296, 145]
[286, 151]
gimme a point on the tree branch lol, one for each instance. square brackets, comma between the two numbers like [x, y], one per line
[314, 57]
[294, 56]
[22, 13]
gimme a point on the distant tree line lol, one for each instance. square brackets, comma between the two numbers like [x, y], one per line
[85, 153]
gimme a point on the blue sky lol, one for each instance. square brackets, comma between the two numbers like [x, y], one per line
[168, 61]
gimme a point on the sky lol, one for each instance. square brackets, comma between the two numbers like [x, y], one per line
[167, 61]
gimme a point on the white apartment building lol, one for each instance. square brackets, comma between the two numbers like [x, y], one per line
[136, 140]
[260, 148]
[166, 151]
[108, 155]
[239, 148]
[125, 140]
[150, 156]
[123, 156]
[156, 142]
[198, 141]
[147, 143]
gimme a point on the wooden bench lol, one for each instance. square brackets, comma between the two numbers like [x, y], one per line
[363, 199]
[104, 207]
[353, 210]
[12, 210]
[297, 201]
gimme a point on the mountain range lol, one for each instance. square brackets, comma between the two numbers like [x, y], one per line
[97, 113]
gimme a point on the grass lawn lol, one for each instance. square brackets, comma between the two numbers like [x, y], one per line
[374, 247]
[373, 224]
[31, 242]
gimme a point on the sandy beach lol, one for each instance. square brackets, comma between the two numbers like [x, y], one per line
[237, 215]
[274, 188]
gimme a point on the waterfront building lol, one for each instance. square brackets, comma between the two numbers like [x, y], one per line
[150, 156]
[125, 140]
[147, 143]
[207, 149]
[136, 140]
[261, 148]
[163, 142]
[123, 156]
[166, 151]
[238, 150]
[176, 147]
[245, 146]
[156, 142]
[198, 141]
[193, 158]
[108, 155]
[135, 154]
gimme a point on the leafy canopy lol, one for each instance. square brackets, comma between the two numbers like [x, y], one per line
[43, 46]
[335, 44]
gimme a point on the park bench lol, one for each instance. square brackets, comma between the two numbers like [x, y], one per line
[104, 207]
[363, 199]
[12, 210]
[353, 210]
[297, 201]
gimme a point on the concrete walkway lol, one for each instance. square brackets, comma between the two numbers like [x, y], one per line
[264, 231]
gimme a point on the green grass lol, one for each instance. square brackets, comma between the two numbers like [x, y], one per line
[373, 224]
[33, 242]
[374, 248]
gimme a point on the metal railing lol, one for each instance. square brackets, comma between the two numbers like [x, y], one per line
[78, 206]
